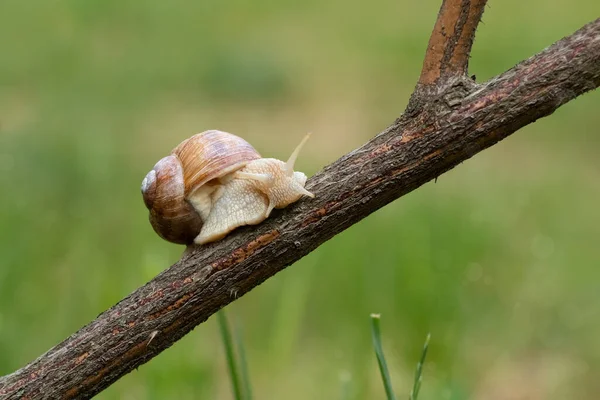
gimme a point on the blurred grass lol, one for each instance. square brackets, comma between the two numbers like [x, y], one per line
[236, 361]
[499, 258]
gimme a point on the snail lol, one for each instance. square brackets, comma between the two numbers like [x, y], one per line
[214, 182]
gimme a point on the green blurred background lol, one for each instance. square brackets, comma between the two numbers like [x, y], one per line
[499, 259]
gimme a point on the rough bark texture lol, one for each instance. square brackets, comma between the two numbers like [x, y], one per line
[454, 120]
[451, 40]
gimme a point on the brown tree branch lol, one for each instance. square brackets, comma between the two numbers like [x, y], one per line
[451, 40]
[457, 121]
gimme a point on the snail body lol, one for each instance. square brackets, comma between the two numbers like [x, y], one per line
[214, 182]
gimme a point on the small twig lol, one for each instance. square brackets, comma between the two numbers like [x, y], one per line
[451, 40]
[152, 336]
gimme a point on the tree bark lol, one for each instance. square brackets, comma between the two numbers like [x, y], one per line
[451, 40]
[449, 119]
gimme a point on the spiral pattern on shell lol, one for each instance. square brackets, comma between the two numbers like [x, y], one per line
[210, 155]
[170, 215]
[201, 160]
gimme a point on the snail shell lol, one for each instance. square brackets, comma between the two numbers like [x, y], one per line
[214, 182]
[196, 161]
[210, 155]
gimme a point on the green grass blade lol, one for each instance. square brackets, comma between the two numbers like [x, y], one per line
[239, 344]
[385, 375]
[414, 394]
[345, 380]
[229, 353]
